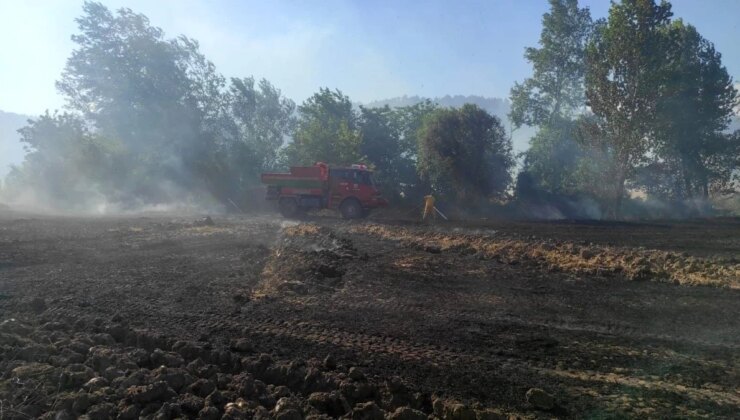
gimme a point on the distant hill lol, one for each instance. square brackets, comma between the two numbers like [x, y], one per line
[11, 149]
[496, 106]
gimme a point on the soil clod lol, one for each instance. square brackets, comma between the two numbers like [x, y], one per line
[156, 318]
[540, 399]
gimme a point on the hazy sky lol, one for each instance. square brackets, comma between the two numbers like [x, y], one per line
[369, 49]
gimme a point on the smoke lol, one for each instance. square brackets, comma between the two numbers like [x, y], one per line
[656, 208]
[71, 187]
[161, 130]
[560, 208]
[150, 126]
[93, 202]
[636, 206]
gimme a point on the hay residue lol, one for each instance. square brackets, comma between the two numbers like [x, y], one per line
[306, 260]
[634, 264]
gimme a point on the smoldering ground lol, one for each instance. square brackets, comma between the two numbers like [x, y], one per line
[254, 316]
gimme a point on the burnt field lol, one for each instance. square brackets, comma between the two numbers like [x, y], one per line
[247, 317]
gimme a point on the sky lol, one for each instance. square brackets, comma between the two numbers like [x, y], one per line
[369, 49]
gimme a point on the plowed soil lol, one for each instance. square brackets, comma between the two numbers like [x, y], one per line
[234, 317]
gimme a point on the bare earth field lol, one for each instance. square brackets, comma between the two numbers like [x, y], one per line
[254, 317]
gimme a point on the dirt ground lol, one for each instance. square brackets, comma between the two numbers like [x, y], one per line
[254, 317]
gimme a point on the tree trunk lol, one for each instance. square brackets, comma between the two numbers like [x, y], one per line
[705, 186]
[688, 190]
[618, 197]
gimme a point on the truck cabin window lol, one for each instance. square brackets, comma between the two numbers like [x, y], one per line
[364, 178]
[353, 176]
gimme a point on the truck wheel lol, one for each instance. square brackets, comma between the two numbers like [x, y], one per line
[288, 207]
[351, 209]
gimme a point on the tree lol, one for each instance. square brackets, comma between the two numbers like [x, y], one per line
[131, 82]
[412, 118]
[255, 122]
[553, 94]
[555, 89]
[381, 146]
[155, 117]
[389, 143]
[553, 158]
[623, 78]
[465, 154]
[326, 131]
[155, 96]
[64, 163]
[694, 110]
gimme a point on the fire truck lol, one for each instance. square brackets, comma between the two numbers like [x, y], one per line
[350, 190]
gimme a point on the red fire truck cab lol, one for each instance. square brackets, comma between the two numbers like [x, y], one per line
[350, 190]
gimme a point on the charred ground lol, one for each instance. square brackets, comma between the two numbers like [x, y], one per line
[177, 316]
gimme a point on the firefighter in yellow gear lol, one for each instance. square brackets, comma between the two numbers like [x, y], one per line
[429, 208]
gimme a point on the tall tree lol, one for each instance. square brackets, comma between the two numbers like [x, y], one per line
[623, 79]
[156, 120]
[261, 117]
[553, 158]
[66, 163]
[151, 94]
[412, 118]
[131, 82]
[465, 154]
[553, 94]
[555, 89]
[389, 142]
[694, 110]
[326, 131]
[252, 125]
[381, 146]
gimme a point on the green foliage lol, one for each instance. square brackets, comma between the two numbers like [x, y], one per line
[663, 100]
[63, 156]
[634, 101]
[550, 98]
[624, 66]
[153, 120]
[694, 110]
[465, 154]
[327, 131]
[412, 118]
[131, 82]
[253, 125]
[389, 141]
[555, 89]
[553, 158]
[660, 99]
[381, 146]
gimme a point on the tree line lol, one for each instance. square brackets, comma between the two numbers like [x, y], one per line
[634, 102]
[637, 101]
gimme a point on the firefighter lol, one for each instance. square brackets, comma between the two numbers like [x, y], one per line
[429, 208]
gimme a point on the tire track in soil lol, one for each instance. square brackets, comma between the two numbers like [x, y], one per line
[426, 366]
[497, 369]
[451, 356]
[605, 329]
[365, 343]
[427, 323]
[460, 301]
